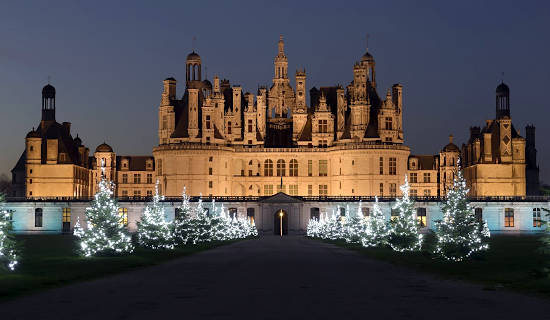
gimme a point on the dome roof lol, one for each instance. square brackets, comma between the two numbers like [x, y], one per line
[48, 91]
[207, 84]
[104, 148]
[451, 147]
[193, 56]
[33, 134]
[367, 57]
[503, 89]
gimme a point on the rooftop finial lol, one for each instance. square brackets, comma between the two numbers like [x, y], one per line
[194, 42]
[367, 42]
[450, 138]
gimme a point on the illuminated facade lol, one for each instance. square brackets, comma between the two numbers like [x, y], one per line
[216, 140]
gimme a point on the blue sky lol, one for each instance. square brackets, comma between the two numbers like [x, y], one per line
[107, 60]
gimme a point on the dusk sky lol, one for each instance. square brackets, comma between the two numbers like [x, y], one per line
[107, 61]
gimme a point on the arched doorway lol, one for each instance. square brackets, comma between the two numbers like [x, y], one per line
[278, 217]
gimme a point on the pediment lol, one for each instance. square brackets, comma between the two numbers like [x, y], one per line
[281, 197]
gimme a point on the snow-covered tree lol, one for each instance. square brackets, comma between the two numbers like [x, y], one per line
[459, 234]
[8, 246]
[153, 230]
[377, 230]
[405, 235]
[252, 230]
[545, 239]
[354, 225]
[219, 224]
[200, 225]
[332, 228]
[312, 229]
[182, 221]
[105, 233]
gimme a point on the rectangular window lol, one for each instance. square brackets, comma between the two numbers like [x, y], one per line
[421, 217]
[66, 214]
[323, 190]
[413, 177]
[229, 127]
[125, 178]
[159, 166]
[38, 217]
[281, 188]
[137, 178]
[310, 168]
[309, 190]
[149, 193]
[381, 165]
[323, 168]
[207, 122]
[508, 217]
[381, 189]
[210, 184]
[365, 212]
[249, 125]
[209, 171]
[388, 123]
[479, 214]
[293, 189]
[164, 122]
[413, 193]
[149, 178]
[124, 193]
[393, 189]
[268, 190]
[123, 214]
[427, 177]
[323, 126]
[427, 193]
[250, 215]
[137, 193]
[393, 166]
[537, 222]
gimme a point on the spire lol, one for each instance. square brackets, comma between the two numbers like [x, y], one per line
[281, 45]
[450, 138]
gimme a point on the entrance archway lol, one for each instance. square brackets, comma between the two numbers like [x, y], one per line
[278, 217]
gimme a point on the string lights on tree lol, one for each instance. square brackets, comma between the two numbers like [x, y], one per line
[404, 228]
[377, 230]
[8, 246]
[105, 233]
[459, 234]
[153, 230]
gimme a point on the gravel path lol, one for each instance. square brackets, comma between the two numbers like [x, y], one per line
[274, 278]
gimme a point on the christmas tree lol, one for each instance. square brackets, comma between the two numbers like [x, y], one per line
[153, 230]
[545, 239]
[459, 234]
[404, 229]
[312, 229]
[106, 234]
[8, 246]
[354, 225]
[377, 231]
[333, 227]
[200, 225]
[182, 221]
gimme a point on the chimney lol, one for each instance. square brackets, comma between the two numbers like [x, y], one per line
[67, 126]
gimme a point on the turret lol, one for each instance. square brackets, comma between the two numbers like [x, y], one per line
[48, 103]
[502, 101]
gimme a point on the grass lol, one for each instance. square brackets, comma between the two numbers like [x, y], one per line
[51, 261]
[512, 262]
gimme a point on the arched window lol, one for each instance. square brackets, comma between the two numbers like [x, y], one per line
[293, 168]
[281, 168]
[268, 168]
[38, 217]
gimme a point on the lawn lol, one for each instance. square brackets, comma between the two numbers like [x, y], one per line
[512, 262]
[51, 260]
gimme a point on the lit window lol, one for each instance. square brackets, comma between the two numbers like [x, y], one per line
[421, 216]
[508, 217]
[66, 215]
[250, 215]
[123, 214]
[537, 222]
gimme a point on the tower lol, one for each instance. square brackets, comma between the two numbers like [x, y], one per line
[166, 110]
[193, 128]
[48, 103]
[301, 91]
[502, 101]
[193, 68]
[281, 62]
